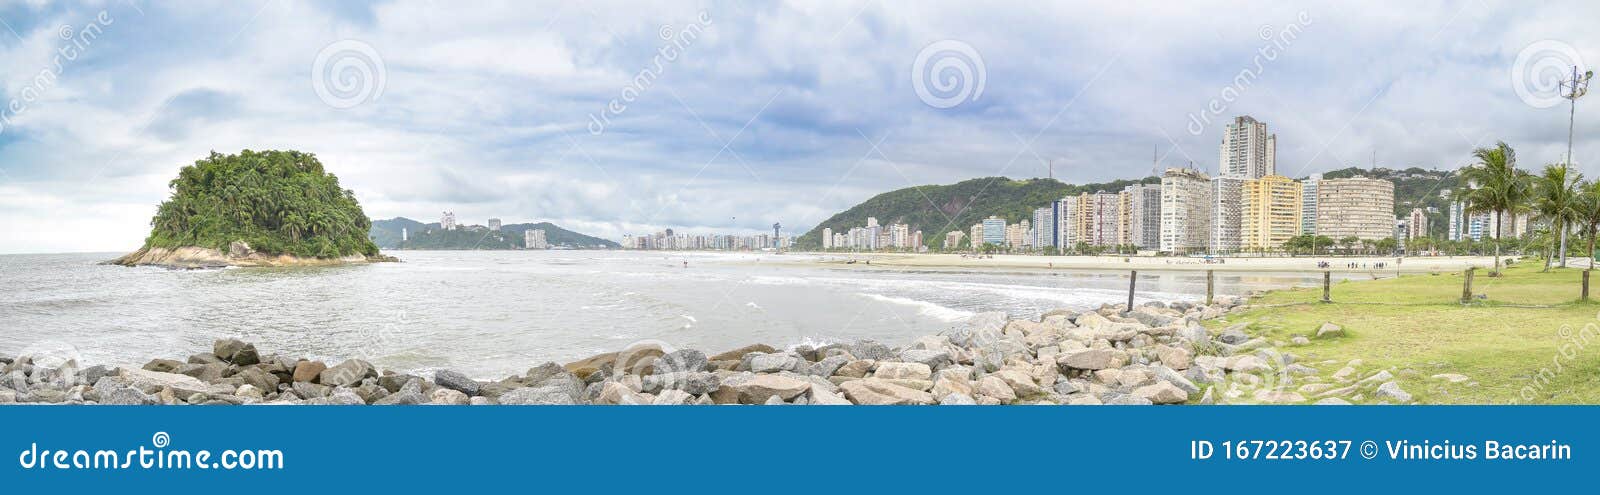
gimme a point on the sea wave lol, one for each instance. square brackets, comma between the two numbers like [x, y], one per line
[925, 308]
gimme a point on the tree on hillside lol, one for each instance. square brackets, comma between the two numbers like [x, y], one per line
[1498, 187]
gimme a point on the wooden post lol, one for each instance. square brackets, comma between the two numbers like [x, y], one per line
[1586, 285]
[1133, 280]
[1327, 286]
[1466, 286]
[1211, 285]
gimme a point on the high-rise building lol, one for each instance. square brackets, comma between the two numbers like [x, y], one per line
[1044, 227]
[977, 236]
[1104, 218]
[1227, 214]
[952, 240]
[447, 221]
[534, 239]
[827, 238]
[1356, 206]
[1272, 209]
[1017, 235]
[1308, 204]
[1141, 216]
[1067, 227]
[1248, 150]
[494, 224]
[1185, 211]
[1417, 224]
[994, 231]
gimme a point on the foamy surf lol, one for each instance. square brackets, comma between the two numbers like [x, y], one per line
[924, 308]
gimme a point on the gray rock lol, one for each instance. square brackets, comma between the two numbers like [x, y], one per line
[544, 395]
[681, 360]
[1233, 336]
[1122, 399]
[341, 397]
[163, 366]
[260, 379]
[827, 366]
[934, 359]
[1165, 374]
[150, 381]
[405, 398]
[347, 374]
[691, 382]
[540, 373]
[1194, 333]
[126, 396]
[956, 399]
[1091, 359]
[1328, 330]
[1392, 391]
[393, 382]
[868, 349]
[771, 363]
[246, 356]
[456, 381]
[94, 373]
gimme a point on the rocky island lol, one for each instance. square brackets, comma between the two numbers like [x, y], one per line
[1156, 353]
[266, 208]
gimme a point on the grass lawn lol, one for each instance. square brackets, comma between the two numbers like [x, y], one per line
[1416, 327]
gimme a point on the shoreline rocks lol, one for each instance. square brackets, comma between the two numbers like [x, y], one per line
[1155, 354]
[238, 254]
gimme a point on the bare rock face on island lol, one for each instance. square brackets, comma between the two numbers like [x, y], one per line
[199, 257]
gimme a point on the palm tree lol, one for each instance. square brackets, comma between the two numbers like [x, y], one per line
[1495, 186]
[1556, 201]
[1588, 210]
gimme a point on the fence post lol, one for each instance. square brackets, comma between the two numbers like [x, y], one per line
[1327, 286]
[1586, 285]
[1211, 285]
[1466, 286]
[1133, 280]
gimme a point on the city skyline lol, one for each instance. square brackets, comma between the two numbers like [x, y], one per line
[520, 120]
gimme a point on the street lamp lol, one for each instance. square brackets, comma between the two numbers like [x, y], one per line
[1572, 90]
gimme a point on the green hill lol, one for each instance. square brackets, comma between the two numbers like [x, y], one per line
[386, 233]
[279, 202]
[939, 209]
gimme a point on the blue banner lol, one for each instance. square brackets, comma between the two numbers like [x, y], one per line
[800, 449]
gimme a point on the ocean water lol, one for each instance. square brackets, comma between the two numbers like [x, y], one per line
[494, 313]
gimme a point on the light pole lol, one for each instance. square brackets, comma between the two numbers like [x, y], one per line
[1575, 88]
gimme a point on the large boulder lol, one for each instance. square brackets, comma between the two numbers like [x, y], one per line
[1091, 359]
[992, 386]
[878, 392]
[542, 395]
[307, 371]
[1329, 330]
[868, 349]
[682, 360]
[899, 370]
[692, 382]
[1162, 393]
[152, 381]
[259, 379]
[771, 363]
[1020, 382]
[347, 374]
[934, 359]
[1392, 391]
[757, 388]
[456, 381]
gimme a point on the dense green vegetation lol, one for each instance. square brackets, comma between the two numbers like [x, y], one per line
[429, 236]
[939, 209]
[278, 202]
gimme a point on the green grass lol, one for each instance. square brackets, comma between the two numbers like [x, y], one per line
[1416, 327]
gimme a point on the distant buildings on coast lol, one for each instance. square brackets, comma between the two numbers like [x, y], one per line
[667, 240]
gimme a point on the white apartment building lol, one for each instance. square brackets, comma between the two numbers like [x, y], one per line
[1227, 214]
[535, 239]
[1248, 150]
[1067, 211]
[1141, 216]
[1356, 206]
[1104, 218]
[1185, 211]
[1044, 225]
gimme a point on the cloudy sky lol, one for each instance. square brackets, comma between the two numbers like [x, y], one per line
[619, 117]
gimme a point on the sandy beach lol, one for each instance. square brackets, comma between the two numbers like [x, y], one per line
[1412, 264]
